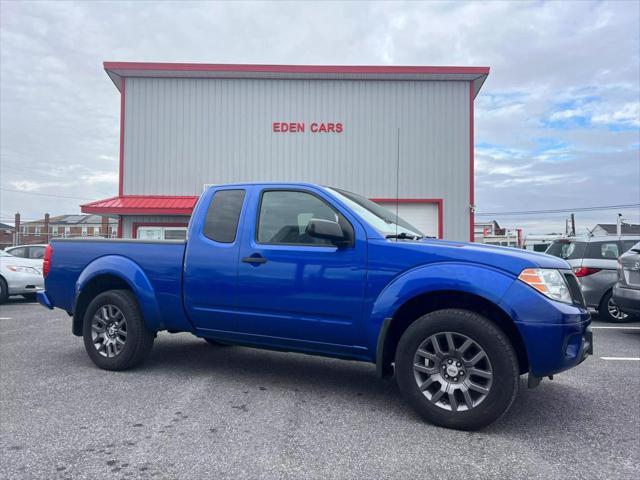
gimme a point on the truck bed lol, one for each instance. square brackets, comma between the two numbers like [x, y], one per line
[160, 260]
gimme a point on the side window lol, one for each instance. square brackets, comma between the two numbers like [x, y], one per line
[603, 250]
[19, 252]
[221, 223]
[36, 252]
[284, 216]
[627, 244]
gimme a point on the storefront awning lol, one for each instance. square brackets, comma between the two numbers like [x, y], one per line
[142, 205]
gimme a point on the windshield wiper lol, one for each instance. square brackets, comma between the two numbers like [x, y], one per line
[404, 236]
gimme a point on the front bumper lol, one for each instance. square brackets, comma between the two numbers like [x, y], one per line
[556, 335]
[628, 299]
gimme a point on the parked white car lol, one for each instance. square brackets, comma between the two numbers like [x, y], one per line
[19, 276]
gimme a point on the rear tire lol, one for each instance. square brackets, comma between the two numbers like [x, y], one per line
[4, 291]
[610, 312]
[114, 332]
[477, 358]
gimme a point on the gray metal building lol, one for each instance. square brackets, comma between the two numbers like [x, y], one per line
[371, 130]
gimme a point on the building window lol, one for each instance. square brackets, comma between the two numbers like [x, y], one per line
[161, 233]
[113, 232]
[67, 231]
[96, 231]
[37, 229]
[84, 231]
[54, 231]
[25, 229]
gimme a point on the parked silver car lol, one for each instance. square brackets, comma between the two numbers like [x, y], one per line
[594, 261]
[27, 251]
[626, 293]
[19, 276]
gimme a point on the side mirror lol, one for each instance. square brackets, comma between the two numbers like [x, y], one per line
[327, 229]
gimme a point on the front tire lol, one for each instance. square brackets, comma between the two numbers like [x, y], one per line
[610, 312]
[114, 332]
[457, 369]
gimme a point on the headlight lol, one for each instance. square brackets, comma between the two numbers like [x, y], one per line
[20, 269]
[549, 282]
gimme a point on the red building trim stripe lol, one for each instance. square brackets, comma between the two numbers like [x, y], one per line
[122, 110]
[471, 166]
[437, 201]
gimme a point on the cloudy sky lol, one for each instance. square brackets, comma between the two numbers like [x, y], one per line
[557, 122]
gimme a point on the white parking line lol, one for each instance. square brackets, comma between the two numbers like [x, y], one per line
[5, 318]
[637, 359]
[615, 328]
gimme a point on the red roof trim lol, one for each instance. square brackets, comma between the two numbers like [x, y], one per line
[338, 69]
[142, 205]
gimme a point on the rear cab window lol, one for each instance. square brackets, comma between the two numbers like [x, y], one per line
[223, 215]
[567, 249]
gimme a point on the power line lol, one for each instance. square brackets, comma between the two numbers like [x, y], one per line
[44, 194]
[560, 210]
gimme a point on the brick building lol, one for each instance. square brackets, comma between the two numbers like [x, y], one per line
[6, 236]
[42, 230]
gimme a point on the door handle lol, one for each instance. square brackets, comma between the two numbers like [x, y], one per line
[256, 259]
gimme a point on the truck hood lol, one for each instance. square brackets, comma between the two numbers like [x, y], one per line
[512, 260]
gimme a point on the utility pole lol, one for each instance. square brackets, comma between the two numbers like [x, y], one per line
[573, 225]
[619, 224]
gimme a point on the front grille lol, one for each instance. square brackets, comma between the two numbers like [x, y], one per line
[574, 289]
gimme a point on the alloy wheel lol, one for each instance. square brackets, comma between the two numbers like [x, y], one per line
[615, 311]
[452, 371]
[109, 331]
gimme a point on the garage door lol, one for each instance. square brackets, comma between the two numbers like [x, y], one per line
[425, 215]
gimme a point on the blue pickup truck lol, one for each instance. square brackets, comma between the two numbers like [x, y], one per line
[305, 268]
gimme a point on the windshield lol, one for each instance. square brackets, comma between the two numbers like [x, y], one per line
[384, 221]
[567, 250]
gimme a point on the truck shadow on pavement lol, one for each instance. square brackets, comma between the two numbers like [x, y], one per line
[533, 411]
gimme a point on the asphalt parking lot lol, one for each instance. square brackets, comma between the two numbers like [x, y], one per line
[198, 411]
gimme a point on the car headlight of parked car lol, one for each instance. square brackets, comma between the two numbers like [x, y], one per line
[21, 269]
[550, 283]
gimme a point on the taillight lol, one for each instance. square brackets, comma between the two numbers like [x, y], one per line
[584, 271]
[46, 263]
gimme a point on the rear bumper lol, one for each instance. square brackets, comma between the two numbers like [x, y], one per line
[593, 292]
[23, 283]
[44, 300]
[628, 299]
